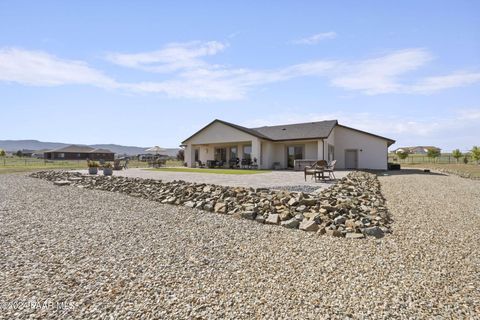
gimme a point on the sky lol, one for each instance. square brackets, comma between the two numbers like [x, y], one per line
[150, 73]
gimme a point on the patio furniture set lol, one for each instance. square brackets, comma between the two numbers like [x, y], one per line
[321, 170]
[232, 164]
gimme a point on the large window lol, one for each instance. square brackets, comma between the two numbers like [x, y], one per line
[247, 152]
[221, 154]
[294, 153]
[233, 153]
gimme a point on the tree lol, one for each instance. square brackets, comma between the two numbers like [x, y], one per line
[475, 153]
[433, 153]
[402, 155]
[181, 155]
[457, 154]
[19, 153]
[2, 153]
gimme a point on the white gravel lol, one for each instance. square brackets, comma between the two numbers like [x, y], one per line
[107, 254]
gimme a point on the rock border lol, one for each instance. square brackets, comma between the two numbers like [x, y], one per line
[353, 208]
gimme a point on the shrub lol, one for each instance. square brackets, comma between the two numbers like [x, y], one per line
[402, 155]
[19, 153]
[2, 153]
[457, 154]
[107, 165]
[181, 155]
[475, 153]
[433, 153]
[92, 164]
[465, 159]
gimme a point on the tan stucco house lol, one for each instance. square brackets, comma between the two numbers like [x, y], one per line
[284, 146]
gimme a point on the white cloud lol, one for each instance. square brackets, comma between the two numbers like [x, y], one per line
[173, 57]
[380, 75]
[187, 73]
[438, 83]
[316, 38]
[38, 68]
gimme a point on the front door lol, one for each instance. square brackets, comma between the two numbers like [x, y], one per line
[351, 159]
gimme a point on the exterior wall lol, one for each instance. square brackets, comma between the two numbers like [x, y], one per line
[78, 156]
[219, 133]
[310, 150]
[372, 151]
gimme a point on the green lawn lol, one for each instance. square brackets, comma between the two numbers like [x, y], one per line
[215, 171]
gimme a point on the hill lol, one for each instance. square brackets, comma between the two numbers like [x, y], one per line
[14, 145]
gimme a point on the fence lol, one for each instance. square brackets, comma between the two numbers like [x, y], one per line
[14, 162]
[424, 159]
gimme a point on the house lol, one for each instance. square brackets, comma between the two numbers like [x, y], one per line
[75, 152]
[280, 146]
[416, 150]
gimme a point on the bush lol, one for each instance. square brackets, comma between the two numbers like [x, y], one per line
[92, 164]
[2, 153]
[433, 153]
[457, 154]
[402, 155]
[475, 153]
[181, 155]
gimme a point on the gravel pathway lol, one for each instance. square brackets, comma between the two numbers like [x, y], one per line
[92, 254]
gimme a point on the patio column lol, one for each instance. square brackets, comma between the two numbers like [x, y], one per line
[320, 148]
[256, 150]
[189, 156]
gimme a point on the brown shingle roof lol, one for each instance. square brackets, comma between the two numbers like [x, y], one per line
[79, 149]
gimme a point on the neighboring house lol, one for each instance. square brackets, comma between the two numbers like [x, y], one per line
[416, 150]
[75, 152]
[280, 146]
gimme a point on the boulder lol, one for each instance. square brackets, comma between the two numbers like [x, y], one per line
[273, 218]
[62, 183]
[334, 233]
[339, 220]
[308, 226]
[220, 207]
[375, 231]
[354, 235]
[292, 223]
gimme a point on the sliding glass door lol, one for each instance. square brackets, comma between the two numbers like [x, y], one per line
[294, 153]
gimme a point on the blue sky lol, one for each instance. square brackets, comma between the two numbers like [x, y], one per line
[152, 73]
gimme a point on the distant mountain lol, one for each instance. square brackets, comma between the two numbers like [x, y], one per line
[15, 145]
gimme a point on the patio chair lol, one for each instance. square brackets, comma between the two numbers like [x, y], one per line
[254, 164]
[314, 169]
[330, 169]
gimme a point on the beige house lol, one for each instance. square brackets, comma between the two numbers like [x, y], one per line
[286, 146]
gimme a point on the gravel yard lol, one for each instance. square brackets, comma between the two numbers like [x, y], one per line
[88, 254]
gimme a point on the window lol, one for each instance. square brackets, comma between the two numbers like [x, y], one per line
[247, 152]
[233, 153]
[331, 152]
[220, 154]
[197, 155]
[294, 153]
[61, 155]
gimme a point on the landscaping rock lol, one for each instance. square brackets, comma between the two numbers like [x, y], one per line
[62, 183]
[273, 219]
[375, 231]
[292, 223]
[308, 226]
[355, 203]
